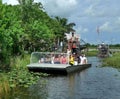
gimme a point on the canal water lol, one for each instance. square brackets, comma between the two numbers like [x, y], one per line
[95, 82]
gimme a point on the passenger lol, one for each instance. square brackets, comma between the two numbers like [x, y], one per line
[75, 59]
[83, 59]
[52, 59]
[41, 60]
[78, 58]
[57, 59]
[68, 51]
[63, 59]
[71, 60]
[47, 60]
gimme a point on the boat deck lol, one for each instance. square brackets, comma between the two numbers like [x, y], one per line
[46, 65]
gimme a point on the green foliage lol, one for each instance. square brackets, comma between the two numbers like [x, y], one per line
[10, 33]
[112, 61]
[21, 77]
[18, 76]
[91, 53]
[18, 62]
[27, 27]
[4, 86]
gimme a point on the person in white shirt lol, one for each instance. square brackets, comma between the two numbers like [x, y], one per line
[83, 59]
[52, 59]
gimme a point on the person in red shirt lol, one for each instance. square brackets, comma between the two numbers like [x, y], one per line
[63, 59]
[74, 43]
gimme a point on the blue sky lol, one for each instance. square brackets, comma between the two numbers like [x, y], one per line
[87, 15]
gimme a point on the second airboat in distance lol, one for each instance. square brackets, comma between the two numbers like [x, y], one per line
[103, 50]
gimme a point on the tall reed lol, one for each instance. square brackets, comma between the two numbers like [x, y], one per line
[16, 63]
[113, 61]
[20, 62]
[4, 87]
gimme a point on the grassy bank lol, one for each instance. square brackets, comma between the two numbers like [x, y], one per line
[18, 76]
[91, 53]
[4, 87]
[110, 61]
[113, 61]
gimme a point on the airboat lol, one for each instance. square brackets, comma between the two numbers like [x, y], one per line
[57, 62]
[103, 50]
[43, 62]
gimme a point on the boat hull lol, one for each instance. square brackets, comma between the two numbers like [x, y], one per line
[57, 68]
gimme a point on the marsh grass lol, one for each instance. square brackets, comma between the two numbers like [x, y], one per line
[18, 76]
[113, 61]
[91, 53]
[20, 62]
[4, 87]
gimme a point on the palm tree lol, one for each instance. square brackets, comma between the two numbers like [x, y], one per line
[65, 28]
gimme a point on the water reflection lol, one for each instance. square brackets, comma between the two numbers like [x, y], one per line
[71, 83]
[92, 83]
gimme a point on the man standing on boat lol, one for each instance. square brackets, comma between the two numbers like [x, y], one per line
[73, 43]
[83, 59]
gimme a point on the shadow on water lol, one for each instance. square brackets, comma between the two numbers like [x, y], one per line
[95, 82]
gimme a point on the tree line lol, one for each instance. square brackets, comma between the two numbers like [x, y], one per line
[28, 27]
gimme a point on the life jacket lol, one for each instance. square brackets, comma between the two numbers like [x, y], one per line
[71, 60]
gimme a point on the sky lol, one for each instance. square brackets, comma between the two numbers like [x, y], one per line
[96, 21]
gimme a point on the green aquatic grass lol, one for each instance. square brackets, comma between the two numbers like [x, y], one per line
[91, 53]
[18, 76]
[113, 61]
[20, 62]
[4, 86]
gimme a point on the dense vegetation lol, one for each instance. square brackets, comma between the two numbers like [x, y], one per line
[27, 27]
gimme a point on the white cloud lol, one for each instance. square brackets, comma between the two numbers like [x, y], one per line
[111, 26]
[36, 0]
[66, 3]
[105, 27]
[81, 30]
[90, 11]
[63, 8]
[116, 25]
[12, 2]
[118, 21]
